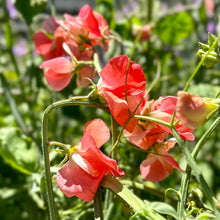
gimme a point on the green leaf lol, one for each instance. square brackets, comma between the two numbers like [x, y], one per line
[164, 208]
[30, 8]
[204, 90]
[206, 216]
[175, 27]
[18, 150]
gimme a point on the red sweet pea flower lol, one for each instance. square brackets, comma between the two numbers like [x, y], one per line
[112, 86]
[159, 164]
[97, 25]
[113, 77]
[58, 73]
[87, 165]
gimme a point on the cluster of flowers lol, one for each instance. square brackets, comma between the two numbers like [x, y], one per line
[122, 85]
[64, 43]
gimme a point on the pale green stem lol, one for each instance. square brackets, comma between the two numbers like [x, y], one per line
[132, 200]
[147, 118]
[200, 63]
[192, 163]
[53, 214]
[186, 177]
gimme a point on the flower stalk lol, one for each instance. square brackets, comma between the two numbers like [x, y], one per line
[53, 213]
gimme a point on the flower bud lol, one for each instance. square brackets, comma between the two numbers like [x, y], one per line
[193, 111]
[213, 57]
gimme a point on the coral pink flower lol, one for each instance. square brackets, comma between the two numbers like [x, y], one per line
[144, 32]
[49, 47]
[113, 83]
[97, 25]
[87, 165]
[58, 73]
[159, 164]
[146, 133]
[193, 111]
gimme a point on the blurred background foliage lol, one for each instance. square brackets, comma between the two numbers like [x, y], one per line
[177, 27]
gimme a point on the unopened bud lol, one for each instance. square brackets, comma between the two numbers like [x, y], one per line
[193, 111]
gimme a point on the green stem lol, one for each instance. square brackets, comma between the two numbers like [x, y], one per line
[200, 63]
[147, 118]
[204, 186]
[132, 200]
[205, 137]
[186, 177]
[13, 106]
[98, 205]
[49, 187]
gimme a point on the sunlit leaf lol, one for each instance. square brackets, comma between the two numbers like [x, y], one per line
[175, 27]
[164, 208]
[18, 150]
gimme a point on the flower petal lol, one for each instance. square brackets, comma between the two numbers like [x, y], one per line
[58, 65]
[98, 130]
[113, 77]
[57, 81]
[74, 181]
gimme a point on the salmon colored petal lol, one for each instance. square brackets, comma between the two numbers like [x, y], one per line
[87, 17]
[165, 104]
[42, 43]
[96, 159]
[57, 81]
[157, 168]
[74, 181]
[85, 73]
[58, 65]
[153, 170]
[102, 23]
[144, 138]
[50, 24]
[119, 109]
[98, 130]
[113, 77]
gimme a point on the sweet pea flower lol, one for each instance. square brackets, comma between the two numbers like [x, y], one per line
[119, 91]
[143, 32]
[146, 133]
[97, 25]
[193, 111]
[159, 163]
[82, 173]
[49, 47]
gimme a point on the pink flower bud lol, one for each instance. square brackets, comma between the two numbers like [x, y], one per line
[193, 111]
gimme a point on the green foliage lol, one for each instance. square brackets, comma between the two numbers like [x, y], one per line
[18, 150]
[30, 8]
[173, 28]
[170, 52]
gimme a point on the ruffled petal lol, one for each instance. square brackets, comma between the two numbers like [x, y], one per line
[74, 181]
